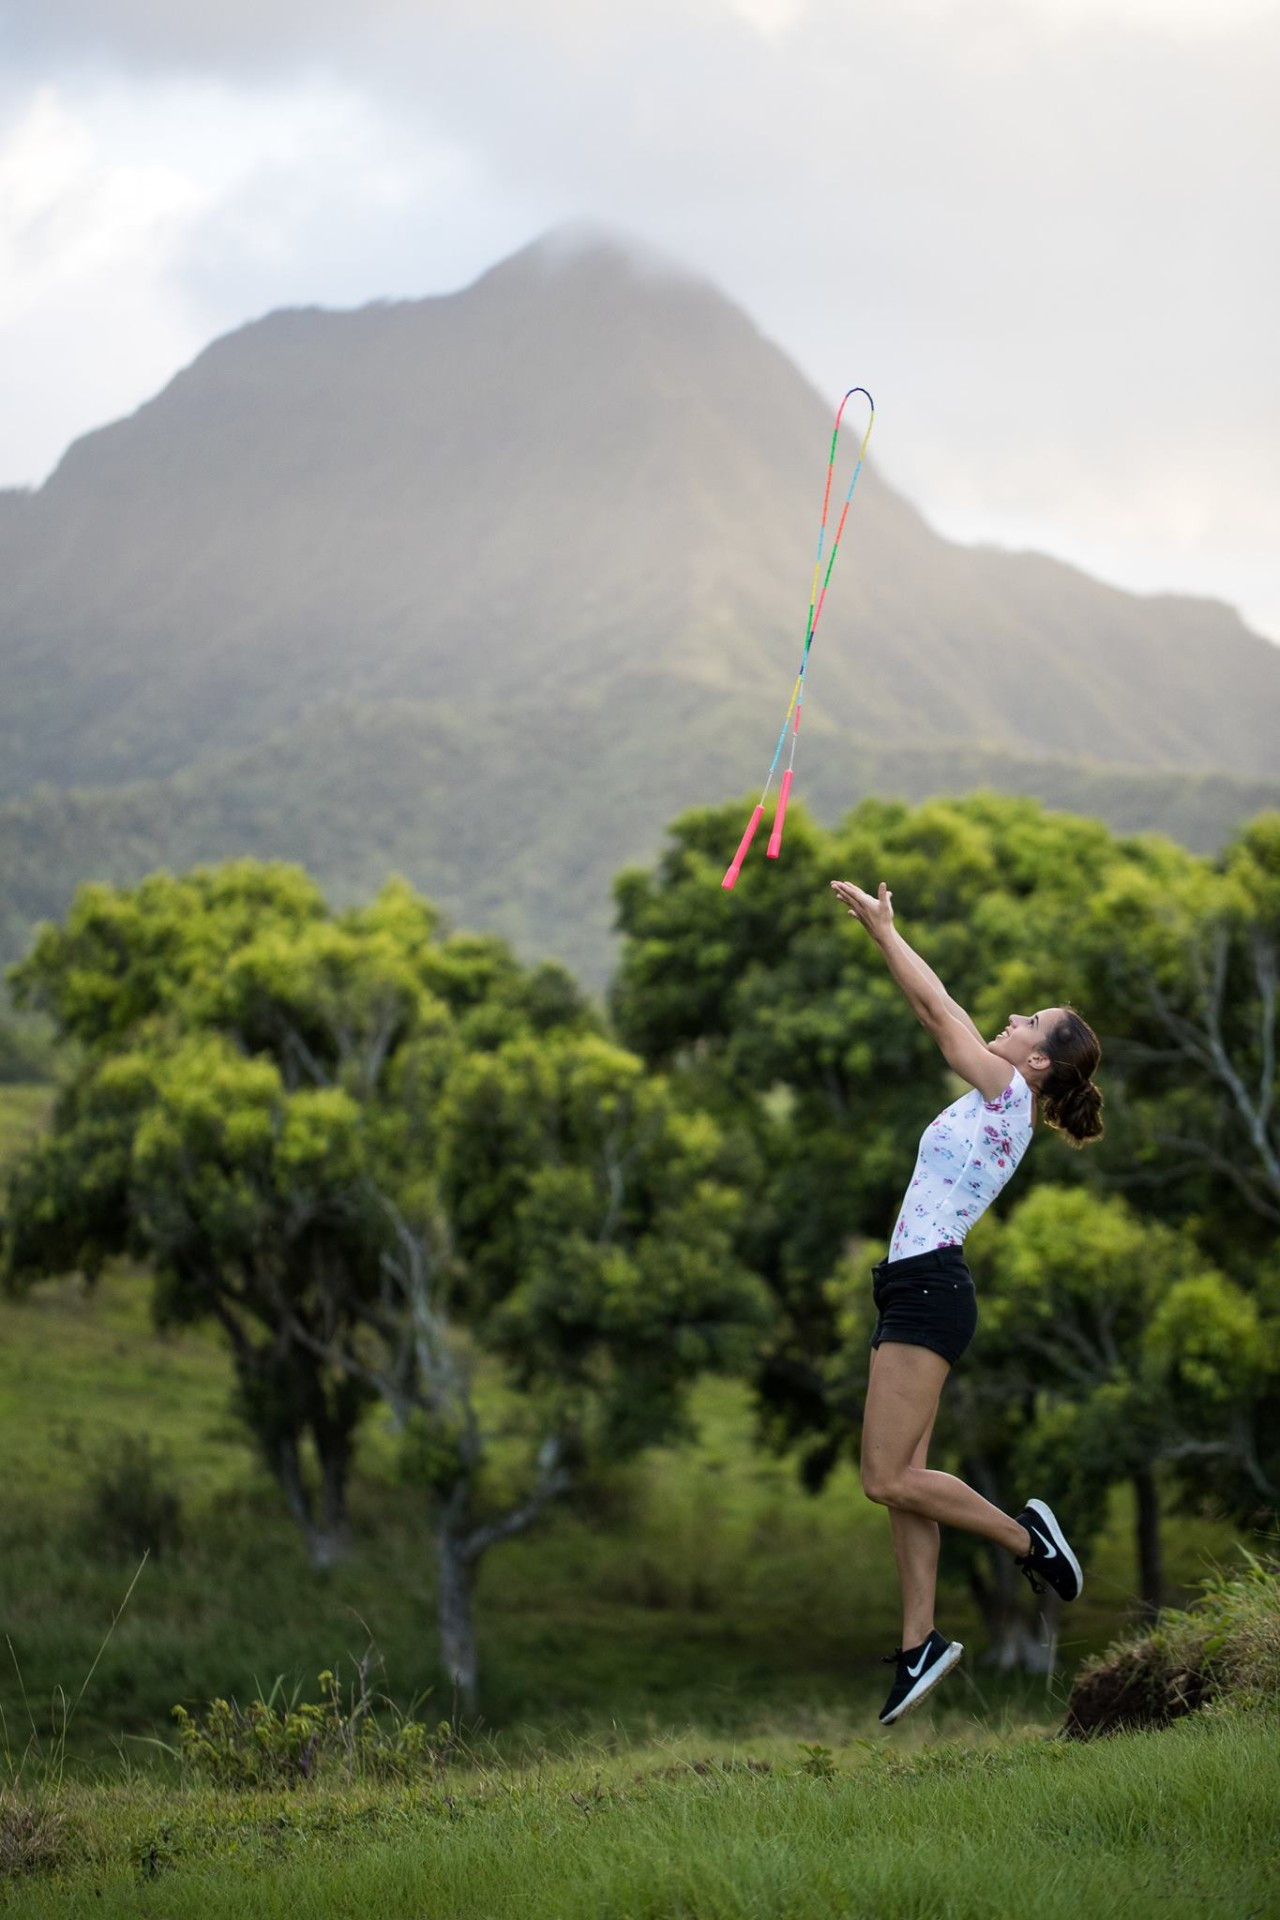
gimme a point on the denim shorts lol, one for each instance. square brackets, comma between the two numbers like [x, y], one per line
[926, 1300]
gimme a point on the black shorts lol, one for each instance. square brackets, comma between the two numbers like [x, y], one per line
[926, 1300]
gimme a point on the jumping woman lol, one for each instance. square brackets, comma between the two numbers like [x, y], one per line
[1041, 1065]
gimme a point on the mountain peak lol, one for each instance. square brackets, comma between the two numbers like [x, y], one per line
[578, 249]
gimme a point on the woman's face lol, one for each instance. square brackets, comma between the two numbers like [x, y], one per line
[1021, 1043]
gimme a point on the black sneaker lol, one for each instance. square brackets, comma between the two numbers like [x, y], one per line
[919, 1669]
[1050, 1558]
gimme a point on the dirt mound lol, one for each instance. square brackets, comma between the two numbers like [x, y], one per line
[1135, 1688]
[1223, 1650]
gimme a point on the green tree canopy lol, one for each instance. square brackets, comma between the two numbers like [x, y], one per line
[770, 1006]
[382, 1158]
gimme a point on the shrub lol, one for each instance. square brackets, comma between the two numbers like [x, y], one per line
[1223, 1650]
[133, 1505]
[269, 1743]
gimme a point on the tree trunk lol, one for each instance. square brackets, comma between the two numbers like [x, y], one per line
[282, 1457]
[1149, 1544]
[328, 1537]
[331, 1539]
[1017, 1644]
[457, 1633]
[327, 1544]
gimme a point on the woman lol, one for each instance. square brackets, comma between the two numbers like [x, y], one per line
[1041, 1063]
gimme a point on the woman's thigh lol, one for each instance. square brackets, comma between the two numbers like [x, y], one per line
[902, 1404]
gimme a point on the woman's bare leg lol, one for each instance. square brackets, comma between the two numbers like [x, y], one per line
[902, 1402]
[916, 1541]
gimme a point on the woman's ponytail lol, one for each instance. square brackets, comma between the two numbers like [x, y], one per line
[1069, 1100]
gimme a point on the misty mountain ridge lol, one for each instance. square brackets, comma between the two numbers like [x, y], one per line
[571, 511]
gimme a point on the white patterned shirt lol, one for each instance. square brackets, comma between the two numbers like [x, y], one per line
[966, 1156]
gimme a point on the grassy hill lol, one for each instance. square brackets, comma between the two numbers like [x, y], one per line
[1178, 1823]
[682, 1684]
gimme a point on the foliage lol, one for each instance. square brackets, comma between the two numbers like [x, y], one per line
[767, 1008]
[27, 1052]
[1187, 961]
[274, 1743]
[133, 1505]
[368, 1149]
[596, 1222]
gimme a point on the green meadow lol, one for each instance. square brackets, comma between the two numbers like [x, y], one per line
[1179, 1823]
[679, 1682]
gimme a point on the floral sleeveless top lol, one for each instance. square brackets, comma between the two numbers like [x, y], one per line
[966, 1156]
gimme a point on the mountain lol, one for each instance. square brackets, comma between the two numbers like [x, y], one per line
[547, 542]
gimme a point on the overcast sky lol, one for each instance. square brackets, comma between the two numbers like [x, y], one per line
[1043, 232]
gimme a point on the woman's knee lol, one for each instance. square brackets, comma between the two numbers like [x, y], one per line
[881, 1484]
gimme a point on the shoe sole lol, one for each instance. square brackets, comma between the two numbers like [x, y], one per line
[941, 1666]
[1060, 1542]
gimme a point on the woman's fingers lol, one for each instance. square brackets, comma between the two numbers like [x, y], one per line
[862, 906]
[851, 895]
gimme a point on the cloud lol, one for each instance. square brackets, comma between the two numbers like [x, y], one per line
[64, 216]
[132, 231]
[264, 36]
[1041, 230]
[88, 318]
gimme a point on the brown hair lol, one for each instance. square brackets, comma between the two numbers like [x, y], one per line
[1069, 1100]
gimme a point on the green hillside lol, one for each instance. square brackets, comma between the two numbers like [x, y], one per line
[518, 827]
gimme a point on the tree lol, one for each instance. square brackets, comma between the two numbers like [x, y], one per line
[764, 1007]
[251, 1074]
[1190, 962]
[388, 1164]
[1112, 1349]
[591, 1232]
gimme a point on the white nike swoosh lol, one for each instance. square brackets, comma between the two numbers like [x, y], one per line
[1047, 1548]
[918, 1669]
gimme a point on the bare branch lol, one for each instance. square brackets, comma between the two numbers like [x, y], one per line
[1203, 1155]
[553, 1481]
[1086, 1373]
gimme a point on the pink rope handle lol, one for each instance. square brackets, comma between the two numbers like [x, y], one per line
[735, 866]
[784, 794]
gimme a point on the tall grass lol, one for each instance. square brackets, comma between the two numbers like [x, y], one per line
[1176, 1824]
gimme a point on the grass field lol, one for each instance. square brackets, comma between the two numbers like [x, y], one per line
[1180, 1823]
[679, 1688]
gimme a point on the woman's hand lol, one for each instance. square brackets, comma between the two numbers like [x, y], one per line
[874, 911]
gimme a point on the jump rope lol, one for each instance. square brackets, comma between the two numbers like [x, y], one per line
[817, 600]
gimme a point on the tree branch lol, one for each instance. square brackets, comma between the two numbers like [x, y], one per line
[553, 1481]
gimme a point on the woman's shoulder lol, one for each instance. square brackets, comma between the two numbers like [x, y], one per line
[1015, 1101]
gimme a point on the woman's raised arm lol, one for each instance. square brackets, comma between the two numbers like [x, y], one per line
[963, 1047]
